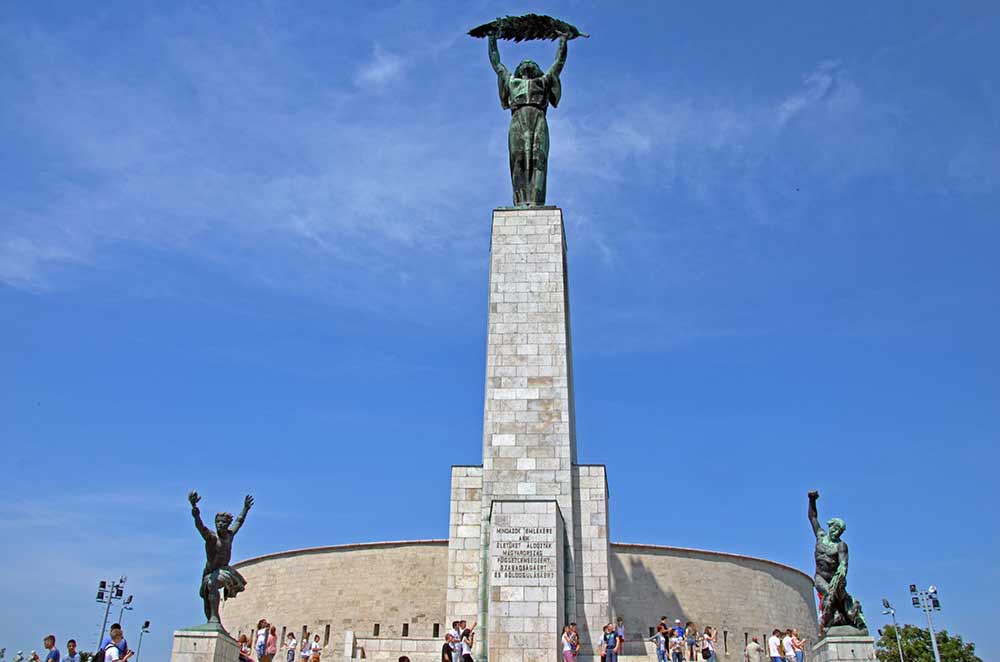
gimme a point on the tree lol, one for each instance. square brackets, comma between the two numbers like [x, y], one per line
[917, 646]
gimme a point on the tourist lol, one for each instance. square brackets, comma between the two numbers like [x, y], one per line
[271, 644]
[567, 644]
[691, 639]
[677, 646]
[403, 658]
[662, 642]
[663, 622]
[456, 640]
[787, 647]
[620, 630]
[774, 646]
[305, 652]
[50, 645]
[468, 640]
[603, 646]
[678, 628]
[612, 643]
[448, 648]
[708, 644]
[315, 649]
[292, 645]
[71, 654]
[260, 639]
[112, 652]
[753, 650]
[245, 651]
[797, 643]
[122, 645]
[575, 638]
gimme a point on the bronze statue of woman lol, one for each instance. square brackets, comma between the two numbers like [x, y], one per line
[527, 93]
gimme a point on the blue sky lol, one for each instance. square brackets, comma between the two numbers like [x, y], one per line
[243, 248]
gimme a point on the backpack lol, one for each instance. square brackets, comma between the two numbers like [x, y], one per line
[99, 655]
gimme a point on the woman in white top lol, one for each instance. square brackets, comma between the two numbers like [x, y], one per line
[292, 645]
[305, 651]
[708, 643]
[111, 653]
[468, 639]
[567, 642]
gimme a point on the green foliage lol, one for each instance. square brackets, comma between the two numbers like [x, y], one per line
[917, 646]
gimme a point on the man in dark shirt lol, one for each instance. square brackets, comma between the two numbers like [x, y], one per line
[446, 649]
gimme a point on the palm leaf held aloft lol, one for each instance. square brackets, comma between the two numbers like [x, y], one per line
[525, 28]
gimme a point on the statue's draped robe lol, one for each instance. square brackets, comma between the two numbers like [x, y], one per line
[528, 137]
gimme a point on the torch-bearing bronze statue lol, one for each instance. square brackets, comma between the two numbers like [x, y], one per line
[838, 608]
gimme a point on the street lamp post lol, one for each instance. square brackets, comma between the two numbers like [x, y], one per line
[144, 630]
[927, 601]
[126, 606]
[108, 592]
[895, 628]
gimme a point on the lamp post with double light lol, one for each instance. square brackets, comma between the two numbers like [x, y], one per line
[927, 601]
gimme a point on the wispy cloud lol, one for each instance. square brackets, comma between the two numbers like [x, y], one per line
[383, 68]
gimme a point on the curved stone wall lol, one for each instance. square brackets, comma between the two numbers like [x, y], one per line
[739, 595]
[331, 590]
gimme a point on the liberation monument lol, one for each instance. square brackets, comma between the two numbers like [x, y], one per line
[528, 546]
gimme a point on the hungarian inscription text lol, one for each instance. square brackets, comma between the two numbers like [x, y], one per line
[524, 552]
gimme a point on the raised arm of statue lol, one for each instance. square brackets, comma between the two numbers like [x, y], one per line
[813, 514]
[557, 66]
[247, 503]
[196, 514]
[495, 54]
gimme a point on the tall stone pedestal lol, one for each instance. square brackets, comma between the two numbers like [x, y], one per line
[844, 648]
[204, 645]
[529, 480]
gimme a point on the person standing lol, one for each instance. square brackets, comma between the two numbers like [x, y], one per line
[708, 644]
[574, 638]
[774, 646]
[304, 650]
[677, 646]
[612, 643]
[468, 641]
[71, 654]
[111, 651]
[260, 640]
[292, 645]
[315, 649]
[753, 651]
[448, 648]
[567, 644]
[662, 642]
[691, 640]
[50, 645]
[797, 643]
[122, 643]
[271, 644]
[787, 647]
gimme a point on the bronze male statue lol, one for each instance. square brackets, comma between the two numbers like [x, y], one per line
[218, 574]
[838, 608]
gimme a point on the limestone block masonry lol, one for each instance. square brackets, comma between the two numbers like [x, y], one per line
[529, 434]
[845, 648]
[526, 599]
[203, 646]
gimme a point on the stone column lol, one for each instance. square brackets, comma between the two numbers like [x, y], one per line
[847, 647]
[529, 441]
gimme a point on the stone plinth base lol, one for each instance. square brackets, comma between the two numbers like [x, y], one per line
[844, 648]
[204, 645]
